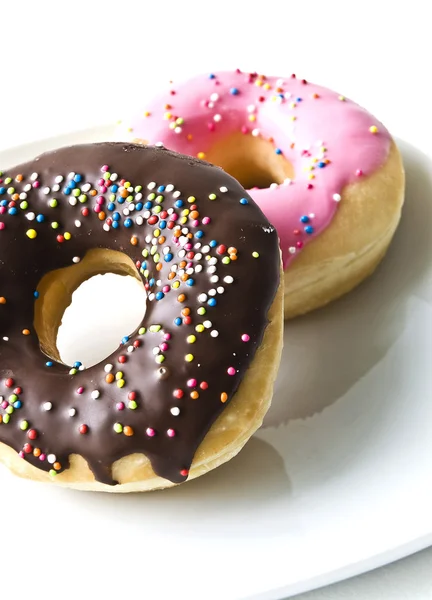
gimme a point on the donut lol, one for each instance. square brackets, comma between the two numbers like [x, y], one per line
[325, 172]
[187, 389]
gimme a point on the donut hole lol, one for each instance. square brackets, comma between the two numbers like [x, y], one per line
[253, 161]
[83, 311]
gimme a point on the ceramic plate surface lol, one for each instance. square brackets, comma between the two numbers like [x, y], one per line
[338, 481]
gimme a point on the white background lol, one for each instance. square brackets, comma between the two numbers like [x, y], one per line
[66, 66]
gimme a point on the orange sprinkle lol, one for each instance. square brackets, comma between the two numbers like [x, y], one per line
[2, 300]
[189, 137]
[19, 177]
[128, 431]
[37, 452]
[171, 275]
[182, 264]
[184, 277]
[194, 214]
[181, 298]
[161, 239]
[271, 140]
[134, 240]
[158, 266]
[1, 419]
[57, 466]
[232, 250]
[93, 192]
[186, 312]
[101, 215]
[194, 395]
[315, 95]
[15, 197]
[224, 397]
[26, 331]
[177, 233]
[124, 193]
[233, 256]
[109, 378]
[147, 113]
[168, 106]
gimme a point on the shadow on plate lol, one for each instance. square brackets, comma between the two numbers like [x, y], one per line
[327, 351]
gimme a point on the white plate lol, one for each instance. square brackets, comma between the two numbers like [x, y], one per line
[339, 481]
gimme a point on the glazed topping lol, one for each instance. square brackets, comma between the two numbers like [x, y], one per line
[209, 261]
[329, 140]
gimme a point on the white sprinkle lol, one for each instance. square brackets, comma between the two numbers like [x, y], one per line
[51, 458]
[213, 261]
[214, 278]
[173, 268]
[211, 270]
[34, 176]
[198, 269]
[279, 82]
[146, 214]
[23, 196]
[71, 175]
[113, 176]
[273, 186]
[228, 279]
[214, 97]
[47, 406]
[139, 220]
[130, 189]
[287, 94]
[95, 394]
[148, 239]
[106, 227]
[46, 190]
[138, 196]
[185, 230]
[108, 368]
[207, 324]
[126, 212]
[81, 368]
[166, 250]
[190, 271]
[223, 189]
[202, 297]
[337, 197]
[76, 259]
[151, 185]
[198, 256]
[59, 179]
[251, 108]
[6, 339]
[205, 249]
[177, 130]
[159, 145]
[176, 194]
[30, 216]
[55, 188]
[255, 132]
[27, 187]
[72, 412]
[175, 411]
[182, 253]
[217, 118]
[151, 297]
[169, 187]
[131, 207]
[73, 201]
[214, 333]
[130, 349]
[212, 292]
[287, 181]
[292, 250]
[156, 350]
[210, 105]
[312, 215]
[86, 187]
[220, 290]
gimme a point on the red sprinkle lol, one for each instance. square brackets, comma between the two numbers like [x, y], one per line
[83, 429]
[32, 434]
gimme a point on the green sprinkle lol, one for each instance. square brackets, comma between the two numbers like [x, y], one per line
[226, 260]
[24, 425]
[10, 410]
[138, 188]
[112, 197]
[53, 203]
[55, 225]
[212, 197]
[151, 196]
[24, 205]
[160, 358]
[132, 405]
[118, 427]
[6, 419]
[153, 250]
[159, 199]
[129, 199]
[255, 254]
[83, 198]
[141, 331]
[157, 209]
[76, 192]
[155, 328]
[201, 310]
[156, 258]
[52, 472]
[13, 398]
[145, 253]
[73, 371]
[107, 175]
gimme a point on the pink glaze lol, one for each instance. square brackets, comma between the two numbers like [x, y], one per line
[326, 138]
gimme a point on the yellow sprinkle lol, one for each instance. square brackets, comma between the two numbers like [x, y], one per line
[311, 176]
[147, 113]
[373, 129]
[258, 82]
[191, 200]
[156, 233]
[120, 383]
[176, 284]
[183, 220]
[293, 118]
[119, 375]
[191, 339]
[31, 233]
[167, 115]
[292, 104]
[67, 235]
[199, 328]
[189, 357]
[201, 155]
[342, 98]
[252, 118]
[267, 86]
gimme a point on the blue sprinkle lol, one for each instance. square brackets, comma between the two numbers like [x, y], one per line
[144, 265]
[36, 294]
[244, 201]
[139, 206]
[309, 229]
[159, 295]
[40, 218]
[151, 282]
[148, 205]
[281, 96]
[111, 206]
[4, 203]
[321, 165]
[115, 225]
[304, 219]
[116, 216]
[234, 91]
[13, 211]
[168, 257]
[66, 191]
[177, 321]
[299, 99]
[114, 188]
[278, 151]
[213, 243]
[190, 282]
[49, 363]
[162, 224]
[77, 177]
[125, 339]
[178, 203]
[2, 190]
[77, 364]
[71, 184]
[199, 234]
[121, 200]
[212, 302]
[161, 188]
[128, 223]
[17, 404]
[212, 76]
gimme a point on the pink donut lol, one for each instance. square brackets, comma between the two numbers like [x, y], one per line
[308, 148]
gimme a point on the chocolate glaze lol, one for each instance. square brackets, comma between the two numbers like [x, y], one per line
[241, 309]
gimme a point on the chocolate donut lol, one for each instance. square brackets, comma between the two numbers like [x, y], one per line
[210, 264]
